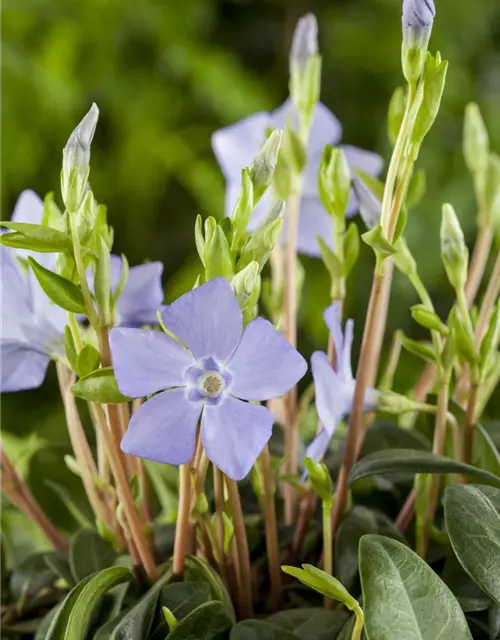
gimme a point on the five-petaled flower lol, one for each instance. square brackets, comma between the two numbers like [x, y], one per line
[33, 327]
[235, 147]
[335, 386]
[216, 374]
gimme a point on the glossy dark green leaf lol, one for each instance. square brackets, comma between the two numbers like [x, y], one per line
[88, 598]
[181, 598]
[59, 564]
[472, 517]
[43, 629]
[382, 436]
[310, 623]
[87, 360]
[486, 454]
[89, 553]
[411, 461]
[31, 577]
[59, 619]
[259, 630]
[403, 597]
[469, 595]
[206, 622]
[61, 291]
[358, 522]
[99, 386]
[494, 622]
[138, 621]
[198, 569]
[105, 632]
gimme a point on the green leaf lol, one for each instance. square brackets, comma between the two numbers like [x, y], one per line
[99, 386]
[59, 564]
[351, 248]
[70, 348]
[87, 360]
[139, 619]
[45, 236]
[416, 189]
[494, 623]
[310, 623]
[411, 461]
[470, 596]
[102, 282]
[330, 260]
[358, 522]
[69, 501]
[259, 630]
[320, 479]
[31, 577]
[59, 622]
[89, 553]
[92, 592]
[403, 597]
[180, 598]
[324, 583]
[419, 349]
[218, 259]
[428, 319]
[206, 622]
[198, 569]
[383, 436]
[486, 455]
[472, 517]
[376, 240]
[400, 224]
[61, 291]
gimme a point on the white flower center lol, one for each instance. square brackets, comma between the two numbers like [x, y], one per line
[212, 384]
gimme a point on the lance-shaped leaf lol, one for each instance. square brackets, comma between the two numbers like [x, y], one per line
[61, 291]
[99, 386]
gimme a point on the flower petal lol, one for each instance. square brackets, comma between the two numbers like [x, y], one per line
[142, 296]
[333, 320]
[319, 446]
[313, 221]
[207, 319]
[234, 433]
[367, 161]
[163, 429]
[330, 395]
[147, 361]
[346, 366]
[29, 208]
[236, 146]
[14, 294]
[264, 364]
[22, 367]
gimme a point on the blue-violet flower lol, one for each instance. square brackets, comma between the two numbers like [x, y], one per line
[236, 145]
[216, 375]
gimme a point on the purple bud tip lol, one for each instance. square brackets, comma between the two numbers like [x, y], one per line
[305, 40]
[418, 14]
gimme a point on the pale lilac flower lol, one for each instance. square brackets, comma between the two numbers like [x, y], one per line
[216, 376]
[335, 385]
[418, 14]
[236, 146]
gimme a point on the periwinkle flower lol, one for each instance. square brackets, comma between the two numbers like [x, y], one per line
[335, 385]
[213, 380]
[235, 147]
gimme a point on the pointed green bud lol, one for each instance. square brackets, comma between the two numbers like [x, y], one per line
[491, 194]
[462, 337]
[199, 239]
[395, 403]
[434, 79]
[320, 479]
[76, 160]
[404, 259]
[293, 151]
[334, 181]
[244, 205]
[264, 164]
[428, 319]
[489, 343]
[262, 242]
[245, 281]
[210, 226]
[102, 284]
[476, 140]
[218, 259]
[395, 114]
[454, 252]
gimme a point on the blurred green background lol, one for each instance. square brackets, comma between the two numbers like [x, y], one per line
[166, 75]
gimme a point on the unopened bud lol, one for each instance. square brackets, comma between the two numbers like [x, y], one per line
[491, 197]
[304, 43]
[320, 479]
[454, 252]
[418, 18]
[264, 164]
[244, 282]
[433, 86]
[334, 181]
[76, 160]
[476, 140]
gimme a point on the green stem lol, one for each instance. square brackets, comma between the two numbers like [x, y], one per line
[360, 623]
[80, 268]
[75, 331]
[182, 522]
[327, 542]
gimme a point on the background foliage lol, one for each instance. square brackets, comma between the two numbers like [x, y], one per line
[165, 75]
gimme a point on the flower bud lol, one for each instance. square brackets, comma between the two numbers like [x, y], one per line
[320, 479]
[264, 238]
[76, 160]
[454, 252]
[244, 205]
[433, 86]
[305, 65]
[264, 164]
[491, 196]
[218, 259]
[418, 18]
[244, 282]
[304, 43]
[476, 140]
[334, 181]
[370, 207]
